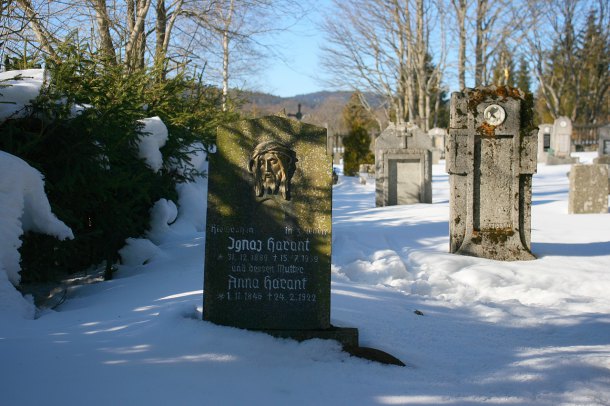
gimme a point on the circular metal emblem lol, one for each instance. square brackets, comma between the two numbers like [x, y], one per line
[494, 114]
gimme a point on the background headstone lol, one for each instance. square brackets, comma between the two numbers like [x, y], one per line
[491, 157]
[438, 136]
[603, 150]
[603, 141]
[366, 172]
[545, 134]
[561, 143]
[268, 243]
[403, 166]
[588, 189]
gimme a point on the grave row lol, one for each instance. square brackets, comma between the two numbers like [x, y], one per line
[268, 236]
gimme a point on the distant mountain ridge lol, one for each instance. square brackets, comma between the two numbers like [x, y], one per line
[323, 108]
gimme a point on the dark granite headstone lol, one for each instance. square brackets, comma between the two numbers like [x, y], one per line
[268, 240]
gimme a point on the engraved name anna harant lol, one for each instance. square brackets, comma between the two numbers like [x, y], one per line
[272, 165]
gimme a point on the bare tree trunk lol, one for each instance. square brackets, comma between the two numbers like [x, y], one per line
[176, 10]
[134, 50]
[103, 23]
[226, 54]
[461, 7]
[479, 49]
[409, 68]
[420, 55]
[42, 35]
[160, 31]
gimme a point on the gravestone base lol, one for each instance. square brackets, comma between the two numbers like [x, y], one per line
[588, 189]
[555, 160]
[346, 336]
[495, 244]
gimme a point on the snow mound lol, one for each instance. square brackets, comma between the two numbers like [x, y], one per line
[25, 207]
[17, 89]
[139, 251]
[154, 137]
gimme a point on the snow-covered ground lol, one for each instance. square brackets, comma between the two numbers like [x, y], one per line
[516, 333]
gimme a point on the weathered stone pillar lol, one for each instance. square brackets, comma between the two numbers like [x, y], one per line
[491, 157]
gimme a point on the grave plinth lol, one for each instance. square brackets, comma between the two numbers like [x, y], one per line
[403, 166]
[491, 157]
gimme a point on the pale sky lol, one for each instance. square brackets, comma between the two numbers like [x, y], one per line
[297, 74]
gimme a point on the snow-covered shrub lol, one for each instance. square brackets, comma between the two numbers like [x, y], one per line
[102, 177]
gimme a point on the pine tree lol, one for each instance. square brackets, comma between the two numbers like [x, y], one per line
[577, 77]
[524, 80]
[95, 180]
[594, 77]
[357, 143]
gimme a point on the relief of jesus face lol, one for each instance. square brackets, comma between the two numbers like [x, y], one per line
[271, 171]
[272, 165]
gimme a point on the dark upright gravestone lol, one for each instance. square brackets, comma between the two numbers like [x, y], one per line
[268, 240]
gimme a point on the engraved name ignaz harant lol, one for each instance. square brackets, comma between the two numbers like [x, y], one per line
[272, 165]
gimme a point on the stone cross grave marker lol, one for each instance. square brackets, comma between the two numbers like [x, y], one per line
[491, 157]
[268, 239]
[403, 166]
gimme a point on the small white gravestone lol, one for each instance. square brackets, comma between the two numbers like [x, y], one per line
[438, 136]
[561, 143]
